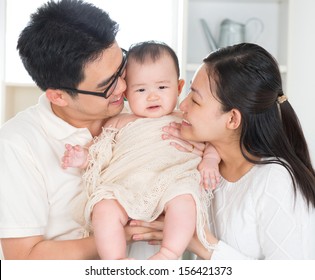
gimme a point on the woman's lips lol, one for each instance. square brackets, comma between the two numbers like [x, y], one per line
[185, 123]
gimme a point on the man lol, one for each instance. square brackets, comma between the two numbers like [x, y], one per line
[69, 50]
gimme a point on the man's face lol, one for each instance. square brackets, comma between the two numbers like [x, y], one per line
[98, 75]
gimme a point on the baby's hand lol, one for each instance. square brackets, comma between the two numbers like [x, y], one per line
[209, 171]
[74, 156]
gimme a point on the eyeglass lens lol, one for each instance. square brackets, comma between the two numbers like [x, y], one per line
[111, 87]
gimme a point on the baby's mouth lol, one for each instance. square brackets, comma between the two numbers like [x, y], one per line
[153, 107]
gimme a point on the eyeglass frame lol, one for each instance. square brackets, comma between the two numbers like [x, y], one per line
[112, 83]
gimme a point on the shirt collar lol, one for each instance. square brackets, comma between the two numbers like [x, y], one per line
[55, 126]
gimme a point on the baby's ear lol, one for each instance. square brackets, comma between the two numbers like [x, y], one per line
[181, 84]
[57, 97]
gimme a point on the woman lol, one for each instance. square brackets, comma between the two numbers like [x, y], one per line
[264, 206]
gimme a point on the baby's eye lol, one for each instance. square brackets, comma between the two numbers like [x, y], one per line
[162, 87]
[140, 90]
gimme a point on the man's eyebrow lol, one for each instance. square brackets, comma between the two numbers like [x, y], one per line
[105, 82]
[108, 80]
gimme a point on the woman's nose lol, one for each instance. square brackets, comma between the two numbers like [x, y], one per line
[183, 105]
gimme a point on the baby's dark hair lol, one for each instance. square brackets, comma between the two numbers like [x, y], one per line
[153, 50]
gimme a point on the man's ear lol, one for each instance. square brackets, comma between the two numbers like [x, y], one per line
[57, 97]
[234, 120]
[181, 84]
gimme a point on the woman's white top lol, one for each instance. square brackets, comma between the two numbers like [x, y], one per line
[260, 217]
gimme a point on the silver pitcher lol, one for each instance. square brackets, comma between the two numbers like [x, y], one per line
[232, 32]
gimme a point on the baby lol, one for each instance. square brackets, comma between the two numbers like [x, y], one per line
[132, 172]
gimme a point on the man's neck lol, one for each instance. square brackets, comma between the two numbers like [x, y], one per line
[94, 126]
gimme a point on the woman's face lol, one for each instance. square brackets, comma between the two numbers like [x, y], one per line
[203, 118]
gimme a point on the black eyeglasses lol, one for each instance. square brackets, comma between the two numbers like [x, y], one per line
[111, 84]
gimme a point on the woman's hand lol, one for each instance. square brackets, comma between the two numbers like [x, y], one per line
[152, 232]
[172, 132]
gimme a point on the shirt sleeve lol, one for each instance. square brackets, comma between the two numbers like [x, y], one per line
[225, 252]
[23, 199]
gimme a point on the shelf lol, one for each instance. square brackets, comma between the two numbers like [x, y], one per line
[17, 84]
[19, 96]
[273, 14]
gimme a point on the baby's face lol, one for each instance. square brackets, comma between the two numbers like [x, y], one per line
[152, 87]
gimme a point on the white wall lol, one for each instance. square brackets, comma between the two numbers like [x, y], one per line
[2, 56]
[153, 21]
[301, 78]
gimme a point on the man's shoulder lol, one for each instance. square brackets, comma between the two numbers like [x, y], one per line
[24, 124]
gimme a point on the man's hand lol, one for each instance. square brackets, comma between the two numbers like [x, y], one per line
[152, 232]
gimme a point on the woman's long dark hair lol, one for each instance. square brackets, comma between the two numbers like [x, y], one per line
[247, 78]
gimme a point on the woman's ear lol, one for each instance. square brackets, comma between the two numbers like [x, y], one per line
[56, 97]
[181, 84]
[234, 120]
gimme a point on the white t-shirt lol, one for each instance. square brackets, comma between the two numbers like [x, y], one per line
[37, 196]
[259, 217]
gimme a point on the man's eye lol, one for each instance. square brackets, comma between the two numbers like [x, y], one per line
[106, 87]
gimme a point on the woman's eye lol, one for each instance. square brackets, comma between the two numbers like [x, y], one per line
[195, 102]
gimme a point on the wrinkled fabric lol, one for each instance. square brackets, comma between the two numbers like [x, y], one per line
[143, 172]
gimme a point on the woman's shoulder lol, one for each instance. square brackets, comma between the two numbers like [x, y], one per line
[271, 181]
[274, 170]
[259, 174]
[268, 173]
[271, 177]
